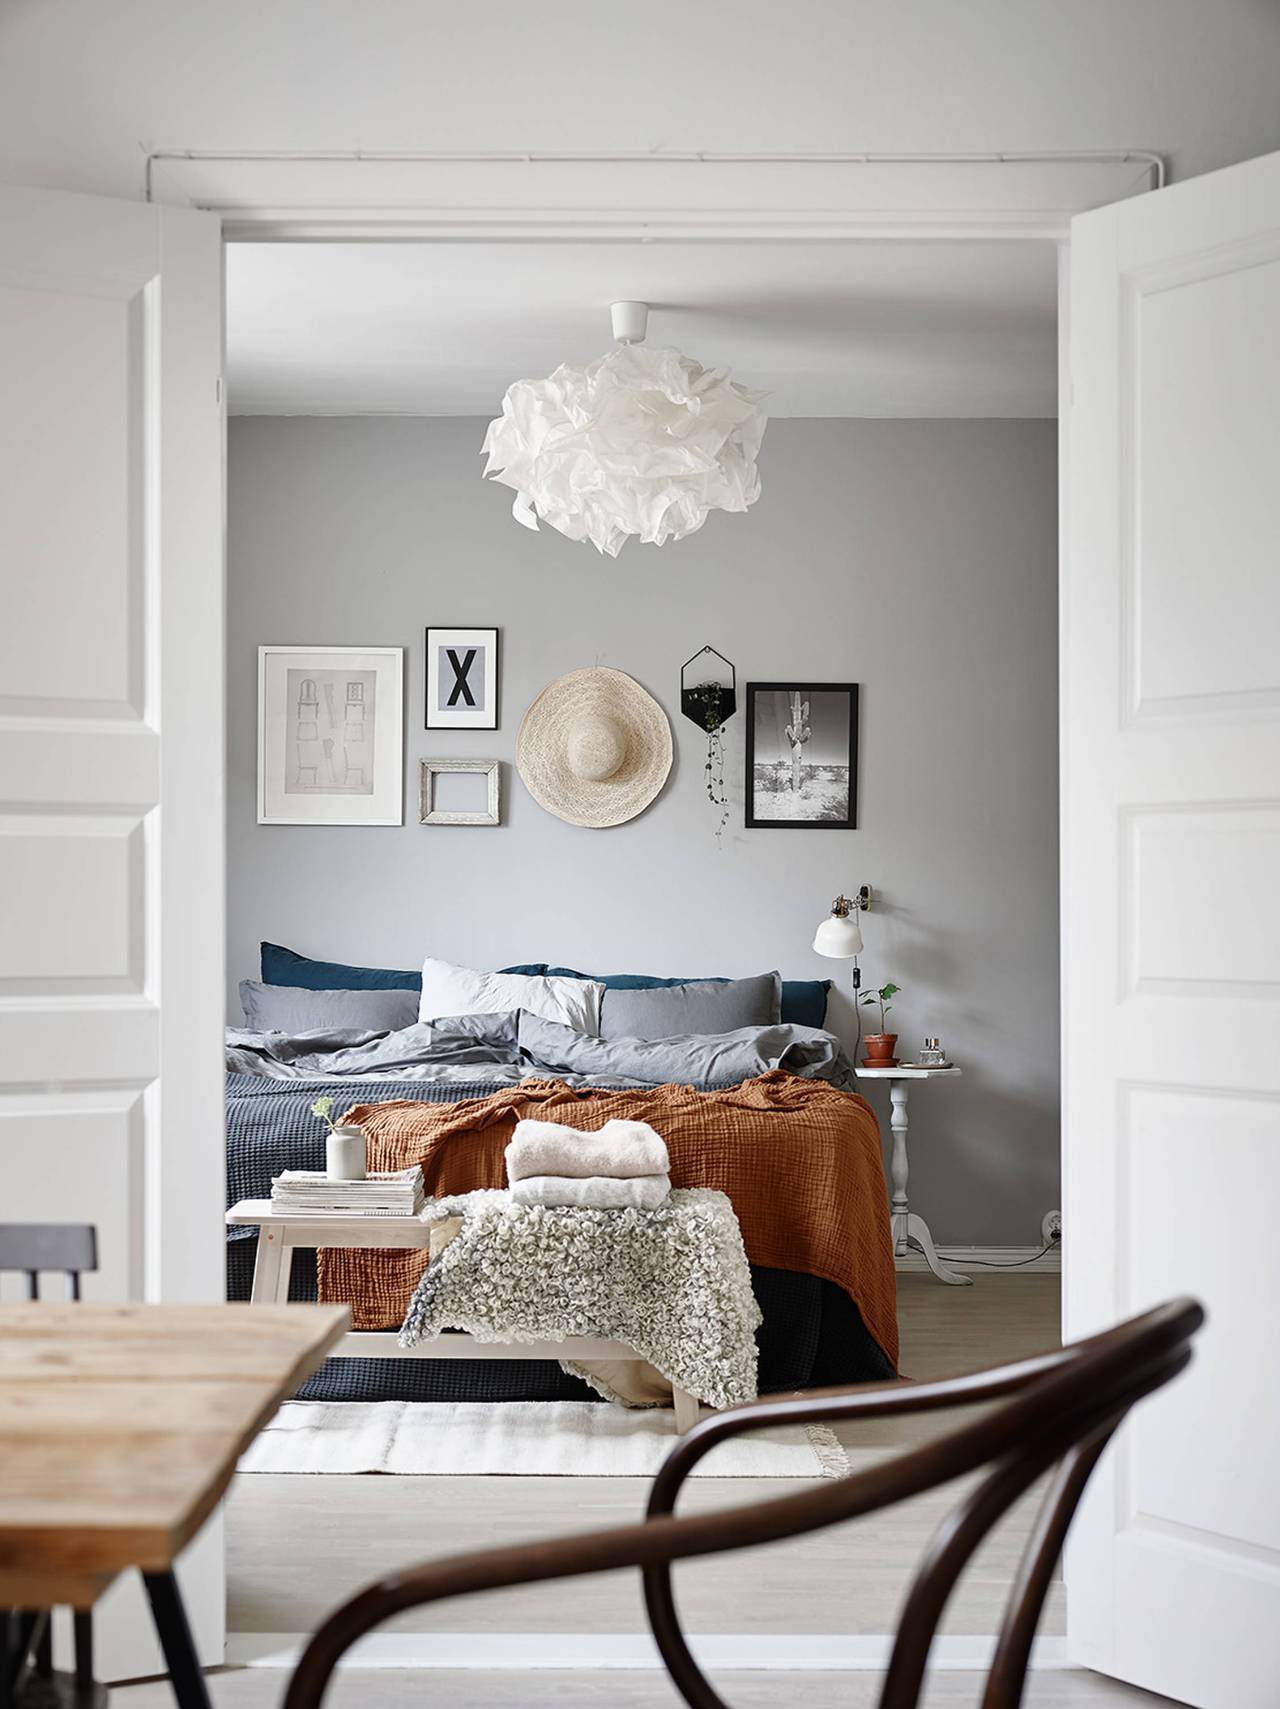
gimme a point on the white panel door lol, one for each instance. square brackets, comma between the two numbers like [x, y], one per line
[111, 761]
[1171, 915]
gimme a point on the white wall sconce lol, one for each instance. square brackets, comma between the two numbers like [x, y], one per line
[839, 935]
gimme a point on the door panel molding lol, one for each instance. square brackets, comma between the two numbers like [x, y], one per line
[1170, 706]
[111, 754]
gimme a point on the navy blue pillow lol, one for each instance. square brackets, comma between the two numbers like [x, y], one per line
[804, 1001]
[286, 967]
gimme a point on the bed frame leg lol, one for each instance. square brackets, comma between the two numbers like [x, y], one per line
[687, 1410]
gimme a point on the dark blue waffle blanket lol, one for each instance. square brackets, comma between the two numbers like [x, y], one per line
[812, 1334]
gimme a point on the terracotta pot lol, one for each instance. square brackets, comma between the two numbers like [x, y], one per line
[880, 1047]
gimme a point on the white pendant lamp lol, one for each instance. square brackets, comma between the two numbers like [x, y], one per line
[642, 443]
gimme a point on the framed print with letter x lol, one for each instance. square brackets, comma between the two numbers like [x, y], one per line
[462, 679]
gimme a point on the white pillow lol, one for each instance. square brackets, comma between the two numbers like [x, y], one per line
[449, 990]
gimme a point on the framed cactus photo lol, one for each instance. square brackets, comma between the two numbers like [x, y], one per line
[802, 756]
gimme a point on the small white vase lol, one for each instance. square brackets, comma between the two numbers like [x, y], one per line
[344, 1154]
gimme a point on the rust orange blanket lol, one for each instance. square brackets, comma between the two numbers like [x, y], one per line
[800, 1161]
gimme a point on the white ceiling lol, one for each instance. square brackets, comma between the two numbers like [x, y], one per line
[88, 91]
[858, 329]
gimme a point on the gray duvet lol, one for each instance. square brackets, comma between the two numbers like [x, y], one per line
[516, 1046]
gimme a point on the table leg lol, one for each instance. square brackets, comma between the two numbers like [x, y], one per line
[82, 1626]
[189, 1689]
[918, 1235]
[271, 1268]
[286, 1270]
[687, 1410]
[898, 1211]
[42, 1646]
[908, 1228]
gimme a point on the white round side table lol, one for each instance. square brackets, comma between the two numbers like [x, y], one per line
[908, 1228]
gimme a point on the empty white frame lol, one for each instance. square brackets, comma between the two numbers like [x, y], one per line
[330, 735]
[488, 770]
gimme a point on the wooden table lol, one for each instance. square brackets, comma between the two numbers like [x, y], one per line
[120, 1428]
[908, 1228]
[279, 1232]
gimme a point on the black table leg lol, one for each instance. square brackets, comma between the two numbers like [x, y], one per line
[24, 1629]
[170, 1616]
[82, 1621]
[8, 1664]
[42, 1645]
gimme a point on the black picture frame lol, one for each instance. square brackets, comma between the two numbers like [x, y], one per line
[437, 635]
[837, 724]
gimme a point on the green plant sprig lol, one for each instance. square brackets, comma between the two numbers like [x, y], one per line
[323, 1107]
[882, 997]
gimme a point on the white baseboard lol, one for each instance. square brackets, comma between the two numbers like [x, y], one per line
[590, 1651]
[978, 1258]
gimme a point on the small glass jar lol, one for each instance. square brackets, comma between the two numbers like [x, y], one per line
[932, 1054]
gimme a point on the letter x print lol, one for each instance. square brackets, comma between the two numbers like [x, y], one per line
[461, 689]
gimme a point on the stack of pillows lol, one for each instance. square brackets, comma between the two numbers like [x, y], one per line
[297, 995]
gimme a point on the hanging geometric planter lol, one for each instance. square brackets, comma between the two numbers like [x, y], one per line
[709, 698]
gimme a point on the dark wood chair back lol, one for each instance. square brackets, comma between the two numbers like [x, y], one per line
[40, 1247]
[1055, 1414]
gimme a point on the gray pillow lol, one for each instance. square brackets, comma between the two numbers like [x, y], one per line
[290, 1009]
[702, 1006]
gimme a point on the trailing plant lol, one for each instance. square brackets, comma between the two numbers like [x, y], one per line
[707, 698]
[884, 998]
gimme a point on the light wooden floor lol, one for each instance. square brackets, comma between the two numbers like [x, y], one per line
[390, 1689]
[297, 1546]
[847, 1580]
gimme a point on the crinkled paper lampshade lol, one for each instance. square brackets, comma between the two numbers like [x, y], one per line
[641, 442]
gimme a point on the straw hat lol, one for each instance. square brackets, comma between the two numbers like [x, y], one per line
[594, 748]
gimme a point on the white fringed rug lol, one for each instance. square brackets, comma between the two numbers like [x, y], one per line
[566, 1439]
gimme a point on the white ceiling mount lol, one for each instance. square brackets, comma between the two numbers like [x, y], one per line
[630, 322]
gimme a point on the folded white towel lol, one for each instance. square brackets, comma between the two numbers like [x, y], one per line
[619, 1149]
[596, 1192]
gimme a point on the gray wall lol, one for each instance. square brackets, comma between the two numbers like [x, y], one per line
[86, 89]
[917, 558]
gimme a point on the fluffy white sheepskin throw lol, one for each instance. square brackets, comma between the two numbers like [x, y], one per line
[673, 1284]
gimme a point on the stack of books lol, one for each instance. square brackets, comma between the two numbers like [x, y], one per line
[397, 1193]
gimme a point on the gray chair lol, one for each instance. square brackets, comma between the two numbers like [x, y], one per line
[36, 1249]
[40, 1248]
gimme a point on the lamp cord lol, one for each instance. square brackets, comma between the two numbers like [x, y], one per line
[1013, 1263]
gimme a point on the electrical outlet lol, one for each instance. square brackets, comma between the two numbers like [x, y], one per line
[1051, 1226]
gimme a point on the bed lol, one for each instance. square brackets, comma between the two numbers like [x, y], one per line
[765, 1113]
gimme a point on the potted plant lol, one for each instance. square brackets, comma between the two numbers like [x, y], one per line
[880, 1046]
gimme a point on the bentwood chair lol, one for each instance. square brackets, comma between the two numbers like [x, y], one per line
[34, 1249]
[1053, 1413]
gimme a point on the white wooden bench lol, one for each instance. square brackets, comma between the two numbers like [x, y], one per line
[279, 1232]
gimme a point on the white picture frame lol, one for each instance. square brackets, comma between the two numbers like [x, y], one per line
[330, 735]
[461, 678]
[490, 770]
